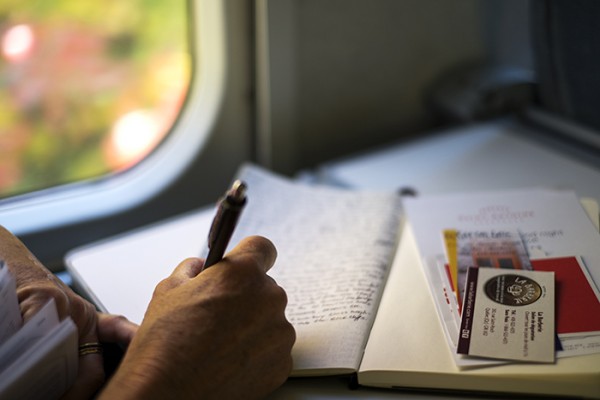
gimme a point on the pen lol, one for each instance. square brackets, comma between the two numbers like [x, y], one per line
[228, 212]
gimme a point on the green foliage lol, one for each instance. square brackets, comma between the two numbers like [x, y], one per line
[92, 62]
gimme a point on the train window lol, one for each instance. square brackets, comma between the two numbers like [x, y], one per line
[86, 88]
[102, 104]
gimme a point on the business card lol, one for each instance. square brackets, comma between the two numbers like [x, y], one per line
[508, 314]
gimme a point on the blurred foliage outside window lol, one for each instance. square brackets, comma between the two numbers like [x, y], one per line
[87, 88]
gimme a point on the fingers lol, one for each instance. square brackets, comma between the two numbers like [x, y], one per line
[186, 270]
[35, 295]
[90, 377]
[35, 284]
[90, 373]
[245, 265]
[253, 251]
[115, 329]
[35, 287]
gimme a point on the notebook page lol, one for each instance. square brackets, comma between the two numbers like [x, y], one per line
[334, 250]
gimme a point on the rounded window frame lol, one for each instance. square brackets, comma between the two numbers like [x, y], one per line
[114, 193]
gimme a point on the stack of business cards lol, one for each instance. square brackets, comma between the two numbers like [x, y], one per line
[508, 314]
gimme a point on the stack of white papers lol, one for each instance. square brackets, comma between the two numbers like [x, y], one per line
[38, 359]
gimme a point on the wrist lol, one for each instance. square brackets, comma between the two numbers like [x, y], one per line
[148, 371]
[137, 378]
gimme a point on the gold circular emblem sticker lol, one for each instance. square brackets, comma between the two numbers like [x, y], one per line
[513, 290]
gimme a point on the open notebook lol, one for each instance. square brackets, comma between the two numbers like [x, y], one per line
[358, 295]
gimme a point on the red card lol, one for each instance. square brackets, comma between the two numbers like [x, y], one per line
[577, 301]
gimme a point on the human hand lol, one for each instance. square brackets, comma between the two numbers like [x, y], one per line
[36, 286]
[90, 374]
[220, 334]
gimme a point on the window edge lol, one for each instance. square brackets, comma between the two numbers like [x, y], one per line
[112, 194]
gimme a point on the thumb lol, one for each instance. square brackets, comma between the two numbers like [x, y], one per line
[115, 329]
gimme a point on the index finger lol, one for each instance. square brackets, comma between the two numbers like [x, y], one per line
[186, 270]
